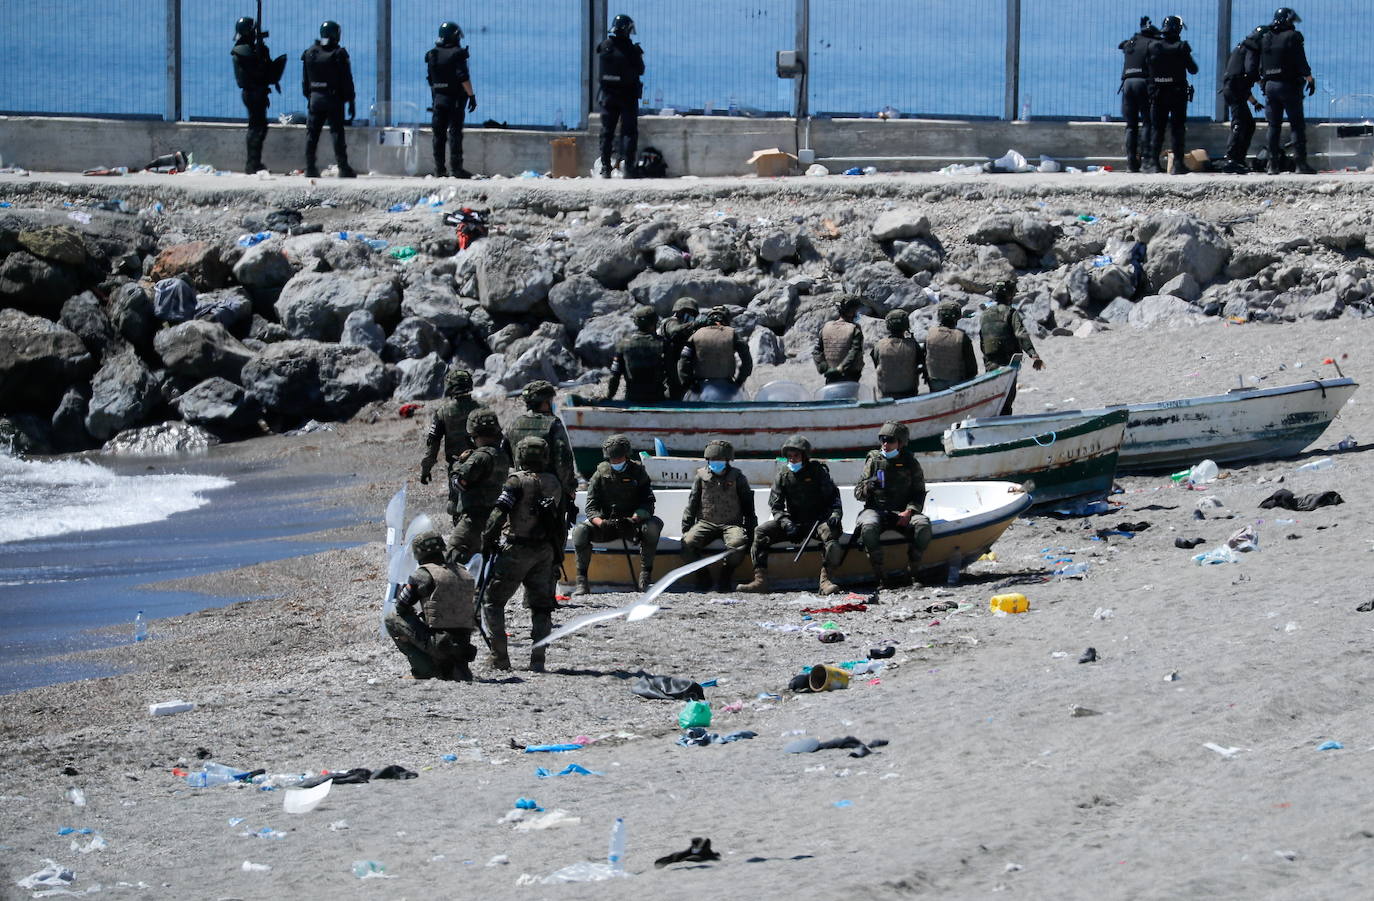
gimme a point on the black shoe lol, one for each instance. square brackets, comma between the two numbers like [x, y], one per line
[461, 173]
[1089, 656]
[1150, 169]
[1304, 168]
[1273, 168]
[253, 167]
[605, 170]
[312, 173]
[441, 173]
[347, 172]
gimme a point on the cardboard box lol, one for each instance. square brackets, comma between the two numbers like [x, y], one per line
[564, 152]
[772, 162]
[1193, 160]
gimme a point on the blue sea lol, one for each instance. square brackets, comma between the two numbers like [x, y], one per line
[919, 57]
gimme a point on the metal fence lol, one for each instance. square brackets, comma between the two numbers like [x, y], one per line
[532, 62]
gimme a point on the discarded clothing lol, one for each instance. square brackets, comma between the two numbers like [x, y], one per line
[360, 775]
[668, 688]
[282, 220]
[698, 852]
[571, 769]
[1366, 607]
[838, 608]
[1188, 543]
[1089, 656]
[811, 745]
[698, 737]
[831, 635]
[1286, 499]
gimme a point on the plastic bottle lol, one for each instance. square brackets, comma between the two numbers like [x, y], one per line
[213, 774]
[140, 627]
[734, 106]
[1317, 464]
[956, 563]
[1203, 472]
[615, 856]
[1072, 570]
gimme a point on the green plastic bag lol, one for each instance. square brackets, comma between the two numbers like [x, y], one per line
[694, 713]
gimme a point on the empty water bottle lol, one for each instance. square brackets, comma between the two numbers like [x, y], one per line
[1072, 571]
[214, 774]
[1317, 464]
[140, 627]
[615, 857]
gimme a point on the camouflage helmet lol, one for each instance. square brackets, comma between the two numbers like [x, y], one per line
[1004, 291]
[686, 305]
[536, 392]
[458, 382]
[898, 430]
[644, 317]
[532, 453]
[948, 312]
[849, 303]
[718, 316]
[898, 322]
[615, 446]
[719, 450]
[797, 443]
[428, 547]
[482, 422]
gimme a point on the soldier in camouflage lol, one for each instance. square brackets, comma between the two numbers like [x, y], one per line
[524, 539]
[675, 331]
[719, 508]
[1002, 333]
[710, 353]
[839, 352]
[899, 358]
[438, 641]
[448, 427]
[803, 494]
[949, 352]
[476, 479]
[641, 360]
[893, 491]
[539, 421]
[620, 507]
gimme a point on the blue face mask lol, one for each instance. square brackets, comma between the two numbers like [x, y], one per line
[717, 466]
[890, 454]
[619, 467]
[795, 467]
[553, 409]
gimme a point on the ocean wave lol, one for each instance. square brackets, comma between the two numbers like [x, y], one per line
[41, 500]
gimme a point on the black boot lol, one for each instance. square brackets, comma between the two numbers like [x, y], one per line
[1303, 167]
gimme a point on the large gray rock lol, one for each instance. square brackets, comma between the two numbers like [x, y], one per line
[916, 256]
[266, 331]
[661, 290]
[314, 305]
[1177, 243]
[197, 350]
[668, 258]
[543, 355]
[35, 284]
[165, 439]
[1248, 262]
[421, 379]
[715, 248]
[1117, 312]
[1183, 286]
[600, 335]
[1107, 283]
[1326, 305]
[123, 394]
[39, 359]
[767, 348]
[979, 272]
[174, 300]
[511, 277]
[883, 288]
[85, 316]
[844, 255]
[581, 297]
[264, 267]
[361, 330]
[903, 222]
[69, 423]
[656, 233]
[436, 300]
[1031, 232]
[414, 338]
[131, 314]
[778, 244]
[1163, 311]
[59, 244]
[220, 406]
[506, 335]
[297, 380]
[1346, 233]
[774, 307]
[606, 257]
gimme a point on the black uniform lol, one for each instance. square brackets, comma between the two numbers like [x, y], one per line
[622, 64]
[1282, 69]
[327, 83]
[253, 72]
[1135, 95]
[1169, 63]
[447, 66]
[1236, 83]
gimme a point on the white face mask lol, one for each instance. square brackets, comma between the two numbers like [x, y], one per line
[717, 466]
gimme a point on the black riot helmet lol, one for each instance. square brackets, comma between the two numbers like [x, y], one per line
[1147, 27]
[330, 31]
[1285, 17]
[450, 33]
[622, 26]
[245, 29]
[1173, 26]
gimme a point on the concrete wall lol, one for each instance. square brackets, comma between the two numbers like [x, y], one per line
[704, 146]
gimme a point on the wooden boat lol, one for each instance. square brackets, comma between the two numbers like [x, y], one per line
[967, 518]
[1077, 459]
[839, 428]
[1243, 424]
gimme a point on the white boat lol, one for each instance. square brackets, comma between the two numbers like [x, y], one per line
[966, 518]
[1075, 459]
[1243, 424]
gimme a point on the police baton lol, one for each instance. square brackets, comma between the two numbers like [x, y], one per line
[801, 549]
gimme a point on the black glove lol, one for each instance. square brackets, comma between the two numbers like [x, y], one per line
[352, 112]
[1311, 86]
[472, 103]
[424, 476]
[572, 513]
[835, 521]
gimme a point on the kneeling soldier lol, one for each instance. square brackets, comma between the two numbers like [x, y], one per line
[721, 506]
[620, 505]
[893, 490]
[803, 495]
[438, 643]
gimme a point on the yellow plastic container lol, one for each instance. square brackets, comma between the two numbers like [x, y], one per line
[824, 677]
[1009, 603]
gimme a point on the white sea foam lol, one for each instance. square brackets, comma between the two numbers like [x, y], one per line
[39, 500]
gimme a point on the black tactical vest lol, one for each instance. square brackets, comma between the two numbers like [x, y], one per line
[1134, 50]
[448, 69]
[1169, 63]
[1279, 56]
[326, 69]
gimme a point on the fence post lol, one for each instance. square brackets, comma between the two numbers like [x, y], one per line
[172, 112]
[595, 26]
[802, 103]
[1012, 97]
[1223, 53]
[383, 102]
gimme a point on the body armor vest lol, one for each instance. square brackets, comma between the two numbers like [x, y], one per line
[485, 470]
[644, 367]
[448, 69]
[903, 483]
[720, 497]
[326, 70]
[1169, 63]
[835, 340]
[1279, 56]
[945, 354]
[897, 359]
[715, 349]
[454, 413]
[619, 493]
[528, 520]
[451, 605]
[807, 495]
[996, 335]
[1134, 51]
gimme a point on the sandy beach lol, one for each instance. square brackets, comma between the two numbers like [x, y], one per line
[989, 782]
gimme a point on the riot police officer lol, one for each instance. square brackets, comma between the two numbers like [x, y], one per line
[620, 505]
[1283, 71]
[621, 65]
[255, 71]
[1237, 83]
[642, 361]
[893, 491]
[475, 482]
[839, 351]
[1135, 92]
[448, 428]
[675, 331]
[711, 351]
[899, 358]
[949, 352]
[803, 496]
[1169, 62]
[452, 97]
[327, 83]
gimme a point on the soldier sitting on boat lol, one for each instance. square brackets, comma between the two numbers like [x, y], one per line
[839, 352]
[438, 640]
[949, 352]
[893, 491]
[720, 506]
[709, 355]
[805, 504]
[620, 507]
[899, 358]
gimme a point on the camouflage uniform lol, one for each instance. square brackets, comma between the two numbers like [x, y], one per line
[438, 643]
[710, 353]
[890, 487]
[642, 361]
[949, 352]
[614, 497]
[477, 479]
[839, 351]
[527, 528]
[448, 426]
[1002, 333]
[797, 500]
[546, 426]
[720, 507]
[675, 331]
[899, 359]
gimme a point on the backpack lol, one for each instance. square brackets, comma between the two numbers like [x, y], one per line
[651, 163]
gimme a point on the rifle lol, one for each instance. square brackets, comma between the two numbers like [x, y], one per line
[629, 560]
[278, 66]
[801, 549]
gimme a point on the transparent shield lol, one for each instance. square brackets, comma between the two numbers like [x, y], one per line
[394, 149]
[843, 391]
[1350, 140]
[783, 391]
[717, 391]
